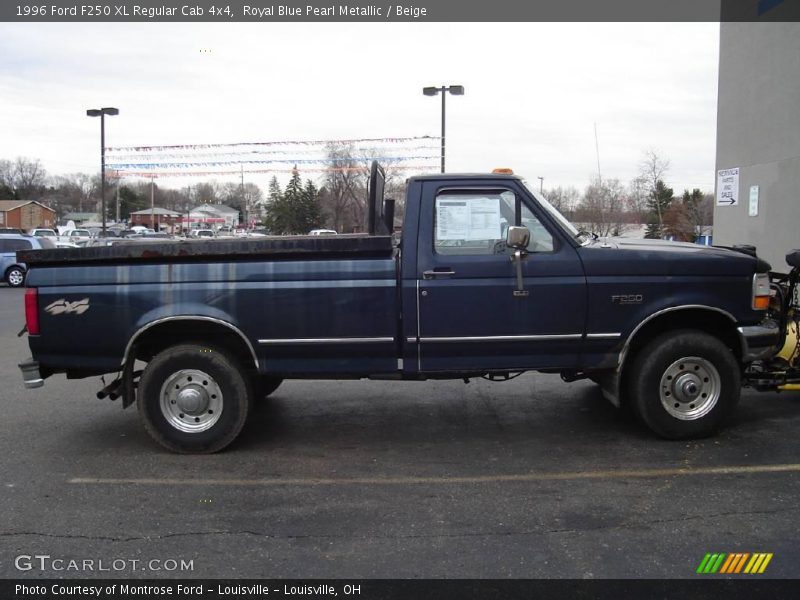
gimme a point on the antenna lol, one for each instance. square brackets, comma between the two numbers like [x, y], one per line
[597, 150]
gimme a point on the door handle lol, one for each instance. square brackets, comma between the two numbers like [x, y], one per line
[439, 272]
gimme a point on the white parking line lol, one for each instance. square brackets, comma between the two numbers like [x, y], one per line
[522, 477]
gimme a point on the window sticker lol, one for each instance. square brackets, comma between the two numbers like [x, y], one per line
[473, 219]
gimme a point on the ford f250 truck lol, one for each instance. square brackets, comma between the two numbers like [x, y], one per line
[488, 280]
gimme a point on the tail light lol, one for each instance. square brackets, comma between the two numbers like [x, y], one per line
[32, 310]
[761, 291]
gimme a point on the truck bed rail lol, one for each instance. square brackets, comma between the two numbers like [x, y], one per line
[291, 247]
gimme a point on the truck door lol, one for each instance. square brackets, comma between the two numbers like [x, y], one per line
[470, 313]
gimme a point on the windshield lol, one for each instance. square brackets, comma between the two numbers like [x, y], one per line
[581, 237]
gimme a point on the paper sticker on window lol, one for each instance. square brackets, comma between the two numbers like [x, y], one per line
[473, 219]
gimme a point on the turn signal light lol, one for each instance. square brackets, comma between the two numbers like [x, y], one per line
[761, 291]
[761, 302]
[32, 311]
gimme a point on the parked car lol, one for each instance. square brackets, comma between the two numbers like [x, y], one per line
[110, 233]
[76, 236]
[41, 232]
[322, 232]
[10, 230]
[12, 270]
[203, 233]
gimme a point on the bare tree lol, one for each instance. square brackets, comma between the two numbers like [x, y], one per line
[6, 179]
[343, 191]
[565, 200]
[638, 199]
[602, 210]
[75, 191]
[208, 192]
[29, 178]
[652, 170]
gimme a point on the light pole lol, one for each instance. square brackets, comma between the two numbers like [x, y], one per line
[102, 112]
[456, 90]
[541, 185]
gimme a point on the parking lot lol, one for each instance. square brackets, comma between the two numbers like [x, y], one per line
[522, 479]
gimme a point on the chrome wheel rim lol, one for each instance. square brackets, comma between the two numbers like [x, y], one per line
[16, 277]
[191, 401]
[690, 388]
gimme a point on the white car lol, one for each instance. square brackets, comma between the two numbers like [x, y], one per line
[40, 232]
[203, 233]
[76, 236]
[322, 232]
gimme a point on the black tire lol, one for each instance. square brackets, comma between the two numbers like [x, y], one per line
[267, 385]
[15, 276]
[684, 384]
[194, 399]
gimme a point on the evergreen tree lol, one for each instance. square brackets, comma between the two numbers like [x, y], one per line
[274, 190]
[311, 213]
[296, 210]
[658, 203]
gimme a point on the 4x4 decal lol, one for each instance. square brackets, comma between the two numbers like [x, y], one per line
[64, 307]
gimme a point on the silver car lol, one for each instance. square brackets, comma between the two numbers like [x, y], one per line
[13, 271]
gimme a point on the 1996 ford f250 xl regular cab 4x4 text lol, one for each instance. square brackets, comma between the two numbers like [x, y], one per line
[489, 280]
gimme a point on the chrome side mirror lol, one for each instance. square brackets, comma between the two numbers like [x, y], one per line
[518, 237]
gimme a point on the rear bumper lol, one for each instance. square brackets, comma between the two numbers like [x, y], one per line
[30, 374]
[759, 341]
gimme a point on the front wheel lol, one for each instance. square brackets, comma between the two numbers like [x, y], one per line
[193, 399]
[684, 384]
[15, 277]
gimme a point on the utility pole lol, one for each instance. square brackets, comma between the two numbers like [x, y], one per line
[153, 202]
[117, 219]
[244, 201]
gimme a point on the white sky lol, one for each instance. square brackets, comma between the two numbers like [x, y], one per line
[533, 91]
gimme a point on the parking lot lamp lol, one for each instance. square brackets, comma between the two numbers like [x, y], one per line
[456, 90]
[102, 112]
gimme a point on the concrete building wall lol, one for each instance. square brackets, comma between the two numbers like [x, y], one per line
[758, 131]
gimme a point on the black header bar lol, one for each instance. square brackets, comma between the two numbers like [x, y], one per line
[339, 11]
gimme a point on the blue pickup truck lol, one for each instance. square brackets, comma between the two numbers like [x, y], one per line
[488, 280]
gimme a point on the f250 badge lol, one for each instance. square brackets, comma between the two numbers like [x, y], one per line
[627, 299]
[63, 307]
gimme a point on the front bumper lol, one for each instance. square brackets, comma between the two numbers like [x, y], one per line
[31, 374]
[759, 341]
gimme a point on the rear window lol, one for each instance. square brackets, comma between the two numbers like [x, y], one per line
[46, 243]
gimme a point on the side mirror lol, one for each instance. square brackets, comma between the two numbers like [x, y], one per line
[518, 237]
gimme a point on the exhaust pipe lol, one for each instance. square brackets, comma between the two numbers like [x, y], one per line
[111, 391]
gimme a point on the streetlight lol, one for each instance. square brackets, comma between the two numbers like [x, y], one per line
[102, 112]
[541, 185]
[456, 90]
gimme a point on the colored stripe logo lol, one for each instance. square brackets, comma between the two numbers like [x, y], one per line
[735, 563]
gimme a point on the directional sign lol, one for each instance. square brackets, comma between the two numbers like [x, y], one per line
[728, 187]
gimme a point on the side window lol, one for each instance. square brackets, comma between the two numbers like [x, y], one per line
[475, 223]
[541, 240]
[14, 245]
[4, 246]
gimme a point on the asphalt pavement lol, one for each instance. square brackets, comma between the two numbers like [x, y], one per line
[360, 479]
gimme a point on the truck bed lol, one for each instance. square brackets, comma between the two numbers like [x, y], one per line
[168, 251]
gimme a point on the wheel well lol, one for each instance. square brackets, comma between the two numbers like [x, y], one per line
[708, 321]
[163, 335]
[20, 267]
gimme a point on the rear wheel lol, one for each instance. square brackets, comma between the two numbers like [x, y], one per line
[15, 277]
[193, 398]
[684, 384]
